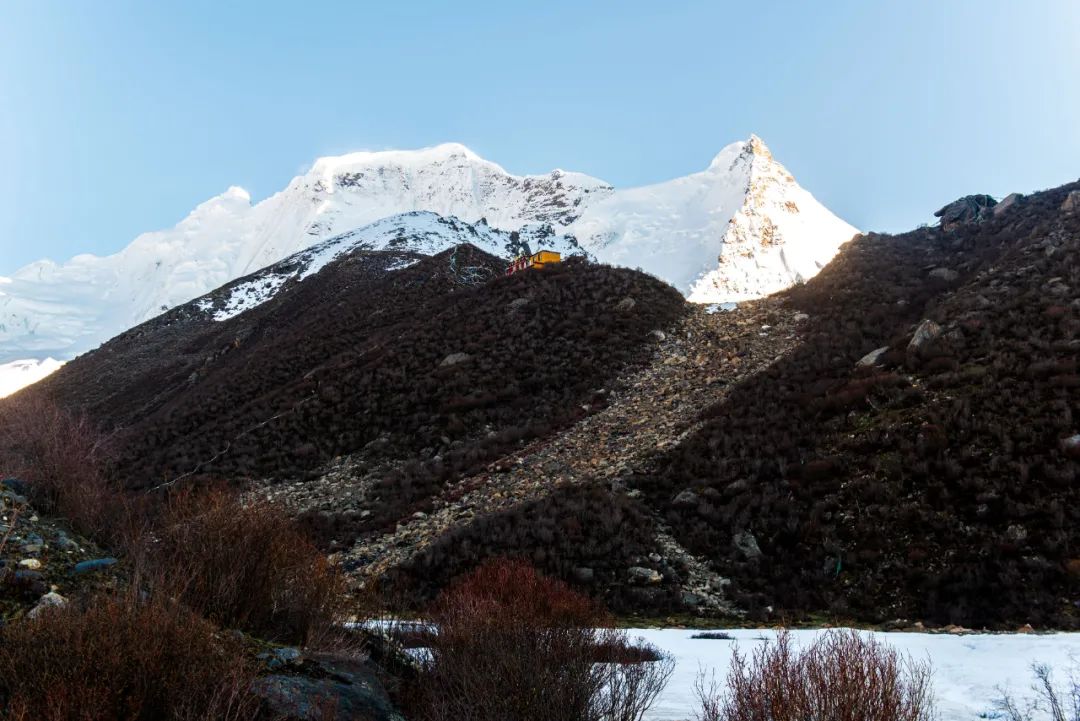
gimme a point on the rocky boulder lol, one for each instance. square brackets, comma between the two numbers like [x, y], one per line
[644, 576]
[686, 498]
[747, 545]
[873, 357]
[1071, 205]
[326, 688]
[968, 209]
[1007, 202]
[455, 359]
[925, 335]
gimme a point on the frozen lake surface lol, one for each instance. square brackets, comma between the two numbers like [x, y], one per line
[968, 669]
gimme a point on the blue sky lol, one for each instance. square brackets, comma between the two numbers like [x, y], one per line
[119, 117]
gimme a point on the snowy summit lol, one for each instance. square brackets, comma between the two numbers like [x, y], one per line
[739, 229]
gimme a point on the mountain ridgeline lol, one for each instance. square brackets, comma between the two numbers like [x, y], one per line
[440, 358]
[740, 228]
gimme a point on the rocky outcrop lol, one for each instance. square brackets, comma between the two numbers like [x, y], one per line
[925, 335]
[1007, 203]
[1071, 205]
[323, 687]
[968, 209]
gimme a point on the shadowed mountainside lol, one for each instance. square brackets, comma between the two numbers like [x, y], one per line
[896, 438]
[445, 361]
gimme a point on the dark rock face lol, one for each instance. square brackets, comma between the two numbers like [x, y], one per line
[968, 209]
[326, 688]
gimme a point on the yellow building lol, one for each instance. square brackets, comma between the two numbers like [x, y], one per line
[544, 257]
[536, 260]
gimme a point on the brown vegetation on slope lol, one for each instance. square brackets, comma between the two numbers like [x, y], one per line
[937, 483]
[423, 363]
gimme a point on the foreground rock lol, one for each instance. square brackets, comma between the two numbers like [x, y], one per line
[324, 687]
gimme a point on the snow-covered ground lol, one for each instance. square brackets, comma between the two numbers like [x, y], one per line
[968, 670]
[21, 373]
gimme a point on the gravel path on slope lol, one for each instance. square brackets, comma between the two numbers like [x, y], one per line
[694, 366]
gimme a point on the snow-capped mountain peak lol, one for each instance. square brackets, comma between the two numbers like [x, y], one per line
[740, 228]
[329, 166]
[724, 160]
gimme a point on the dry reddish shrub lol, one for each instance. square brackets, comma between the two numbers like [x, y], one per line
[842, 676]
[514, 644]
[243, 565]
[120, 659]
[64, 458]
[509, 589]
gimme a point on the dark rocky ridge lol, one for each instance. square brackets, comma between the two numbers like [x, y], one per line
[913, 454]
[937, 481]
[445, 361]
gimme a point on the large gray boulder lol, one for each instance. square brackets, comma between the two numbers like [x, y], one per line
[968, 209]
[747, 545]
[924, 337]
[644, 576]
[872, 358]
[326, 688]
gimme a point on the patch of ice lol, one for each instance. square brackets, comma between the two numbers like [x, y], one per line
[968, 670]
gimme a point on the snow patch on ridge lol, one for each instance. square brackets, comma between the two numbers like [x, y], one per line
[417, 232]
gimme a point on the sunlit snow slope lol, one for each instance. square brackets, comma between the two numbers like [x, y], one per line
[741, 228]
[19, 374]
[420, 232]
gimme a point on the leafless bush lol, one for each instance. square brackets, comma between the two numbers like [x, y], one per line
[1049, 700]
[65, 460]
[123, 659]
[842, 676]
[627, 690]
[514, 644]
[243, 565]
